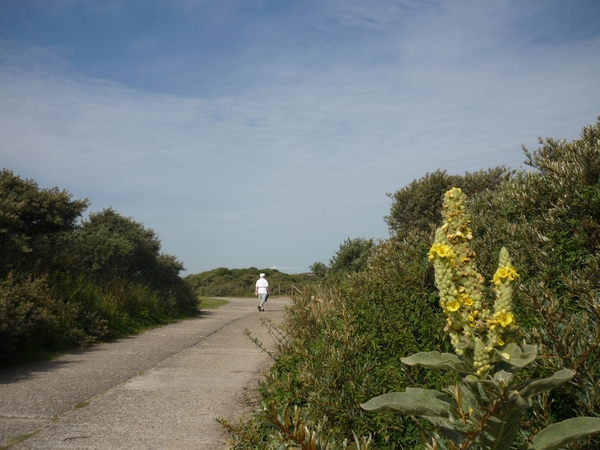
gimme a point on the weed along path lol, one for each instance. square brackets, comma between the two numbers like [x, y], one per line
[161, 389]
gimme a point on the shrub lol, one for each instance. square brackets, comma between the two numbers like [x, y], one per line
[25, 314]
[483, 409]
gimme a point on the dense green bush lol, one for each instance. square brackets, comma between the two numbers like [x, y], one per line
[552, 222]
[343, 341]
[342, 344]
[418, 205]
[483, 408]
[25, 313]
[64, 283]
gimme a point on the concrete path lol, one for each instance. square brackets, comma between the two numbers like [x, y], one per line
[162, 389]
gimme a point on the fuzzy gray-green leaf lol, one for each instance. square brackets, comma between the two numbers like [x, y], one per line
[532, 388]
[418, 402]
[519, 356]
[437, 360]
[562, 433]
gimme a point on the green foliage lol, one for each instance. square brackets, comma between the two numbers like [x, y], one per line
[484, 408]
[24, 312]
[319, 269]
[418, 205]
[65, 284]
[547, 218]
[32, 221]
[289, 431]
[110, 243]
[223, 282]
[351, 257]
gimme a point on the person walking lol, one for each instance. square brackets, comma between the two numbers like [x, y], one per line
[262, 290]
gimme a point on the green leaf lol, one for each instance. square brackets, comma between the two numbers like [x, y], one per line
[437, 360]
[503, 377]
[532, 388]
[562, 433]
[415, 401]
[518, 356]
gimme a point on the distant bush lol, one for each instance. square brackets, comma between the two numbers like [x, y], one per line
[223, 282]
[351, 257]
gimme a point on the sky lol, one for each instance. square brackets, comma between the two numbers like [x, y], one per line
[265, 133]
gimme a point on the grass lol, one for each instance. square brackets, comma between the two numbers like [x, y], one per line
[210, 303]
[17, 440]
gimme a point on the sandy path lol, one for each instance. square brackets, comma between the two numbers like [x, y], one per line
[162, 389]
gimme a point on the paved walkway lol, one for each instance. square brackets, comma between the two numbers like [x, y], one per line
[162, 389]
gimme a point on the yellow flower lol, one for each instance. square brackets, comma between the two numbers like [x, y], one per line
[453, 305]
[466, 300]
[506, 320]
[432, 252]
[445, 251]
[503, 274]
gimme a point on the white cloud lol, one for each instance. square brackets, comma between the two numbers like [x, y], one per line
[281, 161]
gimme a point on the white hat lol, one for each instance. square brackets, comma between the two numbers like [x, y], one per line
[262, 275]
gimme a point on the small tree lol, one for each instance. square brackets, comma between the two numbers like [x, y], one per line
[320, 269]
[110, 243]
[32, 222]
[352, 256]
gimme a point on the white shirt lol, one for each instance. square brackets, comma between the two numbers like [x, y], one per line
[262, 284]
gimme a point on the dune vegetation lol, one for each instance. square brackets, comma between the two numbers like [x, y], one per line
[67, 281]
[349, 338]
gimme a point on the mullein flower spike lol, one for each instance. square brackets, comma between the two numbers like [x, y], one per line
[474, 331]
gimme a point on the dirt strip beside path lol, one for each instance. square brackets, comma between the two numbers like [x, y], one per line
[162, 389]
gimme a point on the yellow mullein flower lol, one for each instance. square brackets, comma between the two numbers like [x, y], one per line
[466, 300]
[442, 251]
[506, 320]
[453, 305]
[433, 252]
[445, 251]
[503, 274]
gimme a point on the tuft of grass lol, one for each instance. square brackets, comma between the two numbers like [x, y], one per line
[17, 440]
[210, 303]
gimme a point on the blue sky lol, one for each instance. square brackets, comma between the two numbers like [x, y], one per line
[264, 133]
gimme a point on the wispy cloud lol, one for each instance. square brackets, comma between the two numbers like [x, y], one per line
[276, 134]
